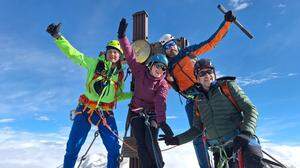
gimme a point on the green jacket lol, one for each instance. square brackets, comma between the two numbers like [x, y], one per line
[219, 116]
[109, 93]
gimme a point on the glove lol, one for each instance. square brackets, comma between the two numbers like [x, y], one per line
[169, 140]
[153, 124]
[53, 30]
[102, 53]
[229, 17]
[122, 28]
[242, 140]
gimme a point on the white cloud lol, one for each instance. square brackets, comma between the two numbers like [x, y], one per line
[261, 77]
[281, 5]
[42, 118]
[288, 155]
[6, 120]
[268, 24]
[239, 4]
[171, 117]
[252, 81]
[293, 74]
[6, 66]
[16, 95]
[24, 150]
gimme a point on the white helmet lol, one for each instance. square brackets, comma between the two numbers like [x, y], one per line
[166, 38]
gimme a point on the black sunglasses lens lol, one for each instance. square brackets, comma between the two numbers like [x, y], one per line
[203, 73]
[160, 66]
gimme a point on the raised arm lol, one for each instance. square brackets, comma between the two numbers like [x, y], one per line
[64, 45]
[72, 53]
[127, 48]
[205, 46]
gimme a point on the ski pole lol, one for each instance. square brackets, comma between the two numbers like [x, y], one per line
[236, 22]
[84, 156]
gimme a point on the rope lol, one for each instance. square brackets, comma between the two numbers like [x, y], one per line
[223, 158]
[84, 156]
[282, 165]
[163, 150]
[116, 135]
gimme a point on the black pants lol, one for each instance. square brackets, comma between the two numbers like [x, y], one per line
[148, 150]
[252, 156]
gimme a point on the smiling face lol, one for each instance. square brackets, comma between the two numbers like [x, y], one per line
[205, 77]
[171, 49]
[113, 55]
[157, 70]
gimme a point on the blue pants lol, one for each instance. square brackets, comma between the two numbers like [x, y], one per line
[79, 132]
[199, 146]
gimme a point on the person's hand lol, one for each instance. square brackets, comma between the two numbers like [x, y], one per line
[122, 28]
[229, 17]
[169, 140]
[102, 53]
[153, 124]
[53, 30]
[241, 141]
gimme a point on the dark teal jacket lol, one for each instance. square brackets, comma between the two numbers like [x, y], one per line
[219, 116]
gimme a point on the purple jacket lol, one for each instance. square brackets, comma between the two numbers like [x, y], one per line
[149, 92]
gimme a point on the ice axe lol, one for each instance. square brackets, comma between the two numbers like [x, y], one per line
[236, 22]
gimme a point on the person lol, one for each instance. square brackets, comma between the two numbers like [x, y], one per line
[181, 77]
[229, 121]
[148, 104]
[103, 88]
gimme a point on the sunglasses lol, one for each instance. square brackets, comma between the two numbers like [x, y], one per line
[160, 66]
[169, 45]
[203, 73]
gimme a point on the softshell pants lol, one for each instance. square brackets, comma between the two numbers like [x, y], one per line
[147, 150]
[79, 132]
[199, 146]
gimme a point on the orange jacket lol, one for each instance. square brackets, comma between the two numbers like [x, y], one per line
[181, 67]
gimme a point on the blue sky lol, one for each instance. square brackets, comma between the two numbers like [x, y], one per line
[39, 85]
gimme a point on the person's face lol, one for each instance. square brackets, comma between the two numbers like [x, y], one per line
[113, 55]
[205, 77]
[157, 70]
[171, 49]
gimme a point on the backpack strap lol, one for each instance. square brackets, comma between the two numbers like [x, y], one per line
[223, 83]
[99, 69]
[196, 107]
